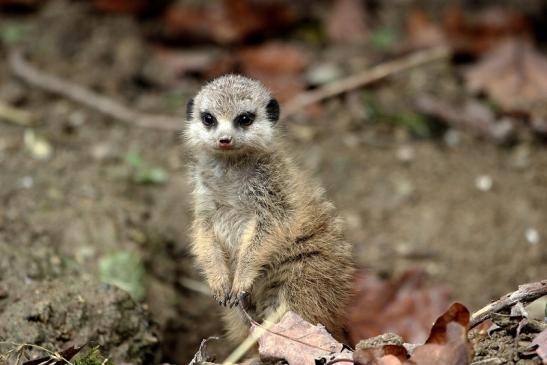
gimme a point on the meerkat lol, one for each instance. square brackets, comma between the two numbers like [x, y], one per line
[262, 228]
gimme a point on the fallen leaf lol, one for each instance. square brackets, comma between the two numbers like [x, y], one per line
[125, 270]
[278, 65]
[469, 115]
[201, 356]
[274, 57]
[422, 32]
[298, 342]
[167, 66]
[20, 3]
[541, 341]
[209, 23]
[447, 343]
[480, 31]
[514, 75]
[227, 21]
[384, 355]
[405, 306]
[346, 22]
[123, 6]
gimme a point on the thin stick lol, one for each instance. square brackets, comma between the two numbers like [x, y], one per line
[365, 77]
[195, 285]
[53, 84]
[253, 338]
[525, 294]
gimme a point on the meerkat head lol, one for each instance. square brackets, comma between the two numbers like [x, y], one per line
[232, 115]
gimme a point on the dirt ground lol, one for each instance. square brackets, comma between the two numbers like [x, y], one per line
[406, 201]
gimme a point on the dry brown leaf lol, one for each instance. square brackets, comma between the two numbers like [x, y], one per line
[278, 65]
[298, 342]
[477, 32]
[274, 57]
[226, 22]
[541, 342]
[404, 306]
[200, 24]
[469, 115]
[384, 355]
[346, 22]
[169, 64]
[20, 3]
[122, 6]
[447, 343]
[422, 32]
[514, 75]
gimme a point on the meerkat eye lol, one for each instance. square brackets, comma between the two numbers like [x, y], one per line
[208, 119]
[245, 119]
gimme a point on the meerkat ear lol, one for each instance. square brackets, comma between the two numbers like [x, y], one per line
[272, 110]
[189, 109]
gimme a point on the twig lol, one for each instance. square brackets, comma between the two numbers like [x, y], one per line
[365, 77]
[15, 115]
[195, 285]
[525, 294]
[253, 338]
[53, 84]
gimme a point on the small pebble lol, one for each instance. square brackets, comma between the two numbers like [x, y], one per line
[405, 154]
[452, 138]
[26, 182]
[484, 183]
[323, 73]
[532, 236]
[76, 118]
[520, 157]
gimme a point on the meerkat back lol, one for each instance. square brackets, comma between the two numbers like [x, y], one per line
[262, 229]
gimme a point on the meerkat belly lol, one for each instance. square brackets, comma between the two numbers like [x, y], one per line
[231, 221]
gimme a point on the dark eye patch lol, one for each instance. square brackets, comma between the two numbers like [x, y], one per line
[189, 109]
[272, 110]
[208, 119]
[245, 119]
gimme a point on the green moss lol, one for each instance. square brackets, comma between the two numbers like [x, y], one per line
[93, 357]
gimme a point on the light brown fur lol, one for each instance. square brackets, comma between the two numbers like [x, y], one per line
[262, 226]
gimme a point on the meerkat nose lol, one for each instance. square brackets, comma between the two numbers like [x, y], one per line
[225, 140]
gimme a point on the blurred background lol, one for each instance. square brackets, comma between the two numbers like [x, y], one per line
[439, 170]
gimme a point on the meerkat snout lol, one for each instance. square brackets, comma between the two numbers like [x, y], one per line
[225, 142]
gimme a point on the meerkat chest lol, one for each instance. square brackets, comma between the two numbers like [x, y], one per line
[222, 200]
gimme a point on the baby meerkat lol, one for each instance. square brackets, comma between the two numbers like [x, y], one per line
[262, 229]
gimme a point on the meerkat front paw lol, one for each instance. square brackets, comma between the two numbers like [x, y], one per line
[221, 291]
[239, 290]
